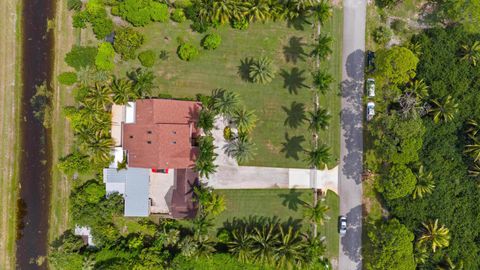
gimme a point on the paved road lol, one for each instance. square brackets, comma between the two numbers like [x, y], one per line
[351, 151]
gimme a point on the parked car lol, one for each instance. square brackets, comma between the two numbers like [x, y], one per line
[370, 110]
[342, 225]
[370, 61]
[370, 86]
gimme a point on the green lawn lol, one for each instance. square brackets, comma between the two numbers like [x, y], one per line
[281, 203]
[278, 144]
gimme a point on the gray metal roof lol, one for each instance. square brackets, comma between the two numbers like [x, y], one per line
[111, 175]
[137, 192]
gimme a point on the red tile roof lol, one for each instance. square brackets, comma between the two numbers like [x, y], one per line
[162, 134]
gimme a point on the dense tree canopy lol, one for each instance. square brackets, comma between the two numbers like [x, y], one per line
[397, 65]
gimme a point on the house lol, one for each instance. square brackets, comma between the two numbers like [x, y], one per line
[157, 139]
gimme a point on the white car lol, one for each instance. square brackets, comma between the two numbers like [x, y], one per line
[342, 226]
[371, 87]
[370, 110]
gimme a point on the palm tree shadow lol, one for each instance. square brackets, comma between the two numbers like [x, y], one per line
[294, 80]
[292, 146]
[295, 114]
[294, 51]
[244, 67]
[291, 199]
[298, 23]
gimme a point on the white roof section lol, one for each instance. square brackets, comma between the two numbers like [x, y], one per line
[136, 192]
[84, 232]
[115, 187]
[130, 113]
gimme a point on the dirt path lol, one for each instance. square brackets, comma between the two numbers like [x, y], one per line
[65, 37]
[9, 104]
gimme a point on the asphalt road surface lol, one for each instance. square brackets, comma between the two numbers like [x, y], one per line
[351, 144]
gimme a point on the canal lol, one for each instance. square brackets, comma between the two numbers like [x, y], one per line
[35, 160]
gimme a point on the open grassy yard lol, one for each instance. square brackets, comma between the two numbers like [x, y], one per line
[281, 203]
[280, 142]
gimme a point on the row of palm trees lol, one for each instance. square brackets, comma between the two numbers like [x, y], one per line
[228, 11]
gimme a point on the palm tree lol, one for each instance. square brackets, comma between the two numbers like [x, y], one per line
[98, 148]
[290, 252]
[316, 248]
[241, 245]
[205, 245]
[323, 47]
[322, 12]
[222, 11]
[473, 127]
[318, 158]
[448, 264]
[425, 183]
[99, 96]
[241, 149]
[142, 82]
[257, 10]
[434, 236]
[444, 110]
[205, 168]
[318, 120]
[206, 120]
[471, 53]
[264, 240]
[474, 171]
[244, 119]
[473, 149]
[262, 71]
[225, 102]
[316, 214]
[322, 81]
[419, 88]
[123, 91]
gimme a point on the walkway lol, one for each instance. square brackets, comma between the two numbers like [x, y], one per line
[351, 145]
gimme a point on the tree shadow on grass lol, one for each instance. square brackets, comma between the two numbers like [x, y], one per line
[244, 68]
[292, 146]
[291, 199]
[299, 22]
[294, 80]
[294, 51]
[295, 114]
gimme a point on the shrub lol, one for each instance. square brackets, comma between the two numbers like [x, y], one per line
[80, 57]
[241, 24]
[74, 4]
[227, 133]
[211, 41]
[74, 162]
[67, 78]
[187, 51]
[105, 57]
[178, 15]
[200, 27]
[386, 3]
[142, 12]
[127, 41]
[80, 20]
[147, 58]
[382, 35]
[183, 3]
[159, 12]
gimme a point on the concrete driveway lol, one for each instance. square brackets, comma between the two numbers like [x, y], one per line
[351, 144]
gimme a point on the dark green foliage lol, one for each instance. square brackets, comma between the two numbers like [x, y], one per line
[187, 51]
[464, 12]
[102, 25]
[382, 35]
[211, 41]
[390, 247]
[67, 78]
[178, 15]
[142, 12]
[147, 58]
[80, 57]
[399, 182]
[74, 4]
[397, 65]
[127, 41]
[75, 162]
[80, 19]
[105, 57]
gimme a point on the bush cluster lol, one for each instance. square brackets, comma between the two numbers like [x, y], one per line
[187, 51]
[178, 15]
[147, 58]
[127, 41]
[211, 41]
[67, 78]
[81, 57]
[105, 57]
[142, 12]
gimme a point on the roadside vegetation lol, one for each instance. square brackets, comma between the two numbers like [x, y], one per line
[421, 156]
[134, 65]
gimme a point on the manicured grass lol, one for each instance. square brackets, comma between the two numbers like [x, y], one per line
[277, 144]
[281, 203]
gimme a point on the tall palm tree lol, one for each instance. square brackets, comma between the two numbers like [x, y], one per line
[242, 149]
[419, 88]
[473, 127]
[444, 109]
[241, 245]
[244, 119]
[257, 10]
[474, 170]
[142, 82]
[318, 120]
[322, 12]
[205, 168]
[262, 71]
[471, 53]
[222, 11]
[473, 149]
[425, 183]
[206, 120]
[264, 240]
[225, 102]
[316, 214]
[98, 148]
[100, 96]
[434, 236]
[322, 80]
[318, 158]
[323, 47]
[123, 91]
[290, 252]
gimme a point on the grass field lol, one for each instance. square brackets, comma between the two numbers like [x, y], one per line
[281, 203]
[278, 144]
[10, 102]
